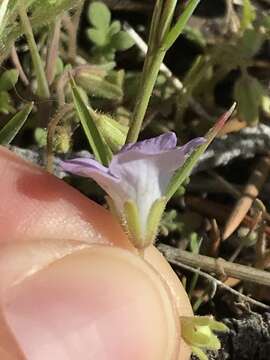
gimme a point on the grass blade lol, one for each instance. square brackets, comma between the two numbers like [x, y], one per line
[177, 29]
[11, 129]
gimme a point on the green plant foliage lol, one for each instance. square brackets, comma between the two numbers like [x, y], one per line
[99, 15]
[95, 139]
[121, 40]
[248, 15]
[106, 36]
[40, 136]
[11, 129]
[43, 12]
[97, 84]
[248, 92]
[8, 80]
[251, 42]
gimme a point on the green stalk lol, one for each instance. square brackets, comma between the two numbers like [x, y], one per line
[177, 29]
[162, 36]
[42, 85]
[149, 76]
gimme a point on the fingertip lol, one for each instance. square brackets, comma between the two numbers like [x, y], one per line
[47, 207]
[98, 303]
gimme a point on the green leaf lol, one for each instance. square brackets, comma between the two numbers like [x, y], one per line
[251, 42]
[99, 15]
[41, 15]
[195, 35]
[8, 79]
[99, 147]
[182, 173]
[11, 129]
[248, 93]
[97, 36]
[5, 103]
[266, 104]
[122, 41]
[3, 16]
[177, 29]
[248, 15]
[97, 86]
[115, 27]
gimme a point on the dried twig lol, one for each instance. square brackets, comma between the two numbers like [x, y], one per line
[250, 193]
[207, 263]
[188, 261]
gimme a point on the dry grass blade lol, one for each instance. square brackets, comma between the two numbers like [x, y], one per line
[250, 193]
[218, 211]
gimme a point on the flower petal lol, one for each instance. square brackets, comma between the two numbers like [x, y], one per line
[154, 145]
[84, 167]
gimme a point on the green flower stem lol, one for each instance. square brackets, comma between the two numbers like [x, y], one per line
[149, 76]
[42, 85]
[162, 36]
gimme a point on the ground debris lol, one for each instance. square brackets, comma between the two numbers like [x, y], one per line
[248, 339]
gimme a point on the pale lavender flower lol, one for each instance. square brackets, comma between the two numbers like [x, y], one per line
[139, 173]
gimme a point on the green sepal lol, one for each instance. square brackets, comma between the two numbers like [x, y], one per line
[199, 353]
[153, 219]
[132, 224]
[111, 206]
[197, 332]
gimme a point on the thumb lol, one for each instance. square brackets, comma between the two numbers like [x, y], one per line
[99, 302]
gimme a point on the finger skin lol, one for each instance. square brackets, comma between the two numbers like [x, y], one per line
[38, 211]
[35, 204]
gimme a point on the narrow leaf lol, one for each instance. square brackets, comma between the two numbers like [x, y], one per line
[99, 147]
[11, 129]
[177, 29]
[3, 12]
[181, 174]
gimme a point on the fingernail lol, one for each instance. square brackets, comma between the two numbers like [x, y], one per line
[100, 303]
